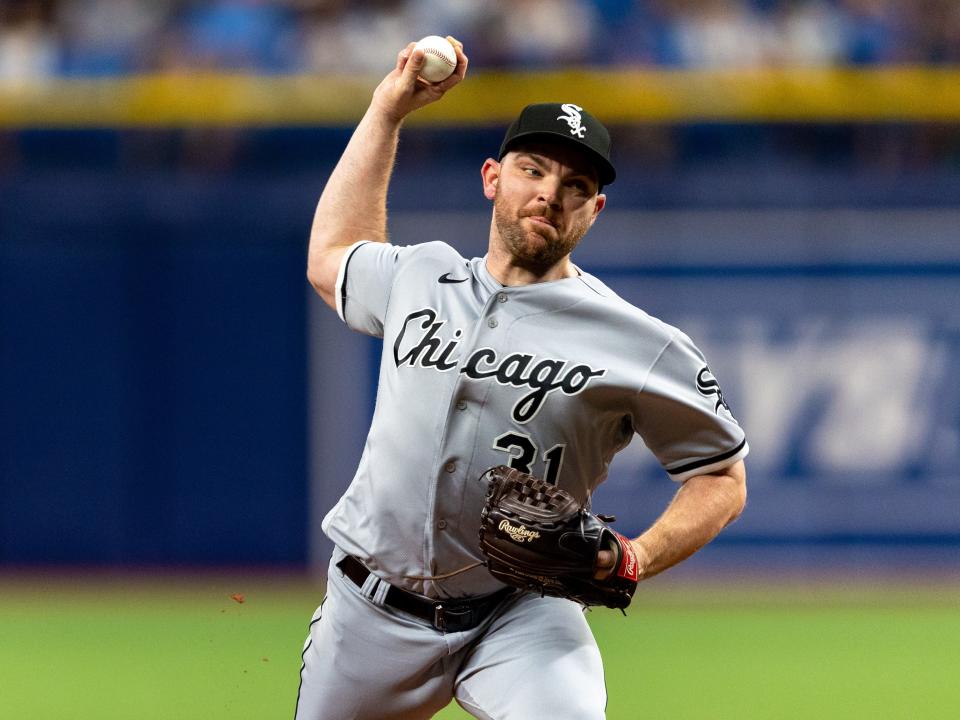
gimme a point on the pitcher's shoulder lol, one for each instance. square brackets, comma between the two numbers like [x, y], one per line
[430, 256]
[623, 312]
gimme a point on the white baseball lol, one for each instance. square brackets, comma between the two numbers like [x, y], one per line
[439, 58]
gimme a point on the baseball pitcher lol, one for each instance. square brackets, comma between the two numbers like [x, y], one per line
[466, 548]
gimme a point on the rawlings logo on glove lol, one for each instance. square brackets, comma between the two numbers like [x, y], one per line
[517, 533]
[536, 537]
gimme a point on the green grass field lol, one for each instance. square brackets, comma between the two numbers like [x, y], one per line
[111, 648]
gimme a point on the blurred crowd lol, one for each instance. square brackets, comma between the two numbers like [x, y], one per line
[40, 38]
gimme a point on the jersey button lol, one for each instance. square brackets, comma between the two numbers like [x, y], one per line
[461, 404]
[441, 524]
[502, 297]
[492, 322]
[449, 467]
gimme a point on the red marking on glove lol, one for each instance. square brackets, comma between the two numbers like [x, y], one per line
[628, 559]
[238, 597]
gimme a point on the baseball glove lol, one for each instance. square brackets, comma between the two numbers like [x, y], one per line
[536, 537]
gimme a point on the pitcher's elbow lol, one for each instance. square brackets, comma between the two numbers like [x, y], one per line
[739, 502]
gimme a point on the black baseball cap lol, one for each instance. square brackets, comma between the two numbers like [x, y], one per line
[564, 122]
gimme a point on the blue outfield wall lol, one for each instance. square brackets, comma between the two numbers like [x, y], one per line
[156, 332]
[152, 372]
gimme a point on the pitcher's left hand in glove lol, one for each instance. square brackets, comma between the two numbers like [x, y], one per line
[536, 537]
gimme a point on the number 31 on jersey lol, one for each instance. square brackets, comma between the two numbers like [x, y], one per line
[523, 451]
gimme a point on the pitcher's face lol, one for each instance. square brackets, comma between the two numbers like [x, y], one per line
[545, 199]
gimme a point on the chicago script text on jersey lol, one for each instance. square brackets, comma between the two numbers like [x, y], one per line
[427, 349]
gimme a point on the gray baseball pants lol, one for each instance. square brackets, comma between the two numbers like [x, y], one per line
[532, 658]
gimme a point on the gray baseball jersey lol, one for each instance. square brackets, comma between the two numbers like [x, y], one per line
[552, 378]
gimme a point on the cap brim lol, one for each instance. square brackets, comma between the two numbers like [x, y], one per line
[606, 173]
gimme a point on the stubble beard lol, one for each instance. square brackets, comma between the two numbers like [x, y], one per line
[530, 249]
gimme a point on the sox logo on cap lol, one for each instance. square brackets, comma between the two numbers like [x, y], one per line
[573, 119]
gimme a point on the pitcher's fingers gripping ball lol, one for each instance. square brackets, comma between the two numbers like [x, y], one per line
[439, 58]
[535, 536]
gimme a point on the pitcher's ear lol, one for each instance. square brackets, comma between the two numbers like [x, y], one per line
[490, 172]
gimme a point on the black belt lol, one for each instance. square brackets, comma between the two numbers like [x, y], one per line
[444, 615]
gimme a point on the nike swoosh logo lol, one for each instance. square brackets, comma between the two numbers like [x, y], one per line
[445, 278]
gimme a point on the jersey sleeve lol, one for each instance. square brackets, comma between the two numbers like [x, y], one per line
[364, 282]
[683, 416]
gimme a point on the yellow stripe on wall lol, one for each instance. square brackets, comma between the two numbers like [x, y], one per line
[662, 96]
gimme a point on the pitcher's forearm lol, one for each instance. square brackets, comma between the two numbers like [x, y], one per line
[353, 205]
[701, 509]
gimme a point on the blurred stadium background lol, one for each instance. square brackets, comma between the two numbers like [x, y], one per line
[177, 412]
